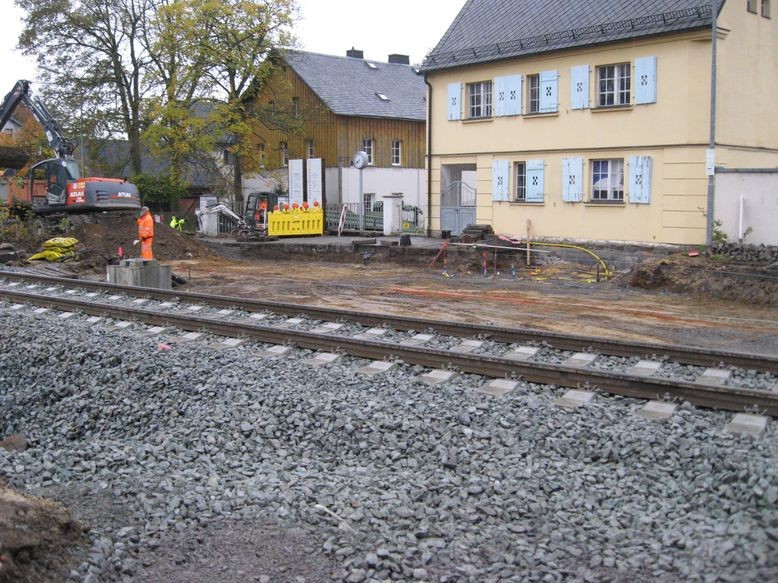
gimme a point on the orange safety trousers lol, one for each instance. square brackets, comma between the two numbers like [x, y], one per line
[146, 235]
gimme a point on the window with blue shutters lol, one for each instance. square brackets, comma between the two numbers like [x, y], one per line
[640, 179]
[572, 179]
[645, 80]
[520, 181]
[500, 180]
[533, 93]
[479, 96]
[608, 180]
[507, 95]
[614, 85]
[548, 91]
[579, 97]
[454, 101]
[535, 180]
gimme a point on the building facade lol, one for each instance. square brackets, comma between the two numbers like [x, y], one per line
[332, 107]
[591, 120]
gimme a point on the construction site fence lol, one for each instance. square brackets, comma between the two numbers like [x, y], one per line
[295, 222]
[360, 217]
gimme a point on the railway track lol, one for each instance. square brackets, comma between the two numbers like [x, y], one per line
[709, 378]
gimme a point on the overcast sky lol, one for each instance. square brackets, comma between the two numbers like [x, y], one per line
[411, 27]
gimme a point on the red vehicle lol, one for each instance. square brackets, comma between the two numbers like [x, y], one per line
[55, 186]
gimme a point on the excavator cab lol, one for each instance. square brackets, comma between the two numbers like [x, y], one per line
[258, 204]
[50, 179]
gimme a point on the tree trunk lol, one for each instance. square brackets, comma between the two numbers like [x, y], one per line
[237, 179]
[136, 157]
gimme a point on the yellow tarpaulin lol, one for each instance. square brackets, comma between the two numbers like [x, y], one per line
[57, 249]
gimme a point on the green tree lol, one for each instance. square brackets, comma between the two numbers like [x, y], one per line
[237, 39]
[159, 192]
[179, 132]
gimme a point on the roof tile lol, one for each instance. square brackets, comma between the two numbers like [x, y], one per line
[491, 30]
[350, 86]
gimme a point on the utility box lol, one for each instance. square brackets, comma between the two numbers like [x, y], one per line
[140, 273]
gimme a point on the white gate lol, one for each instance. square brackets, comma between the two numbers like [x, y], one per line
[457, 207]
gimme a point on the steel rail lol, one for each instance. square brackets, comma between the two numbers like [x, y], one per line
[728, 398]
[559, 341]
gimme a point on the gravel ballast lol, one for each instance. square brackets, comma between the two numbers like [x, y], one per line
[367, 478]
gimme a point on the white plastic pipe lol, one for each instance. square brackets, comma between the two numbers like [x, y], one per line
[740, 220]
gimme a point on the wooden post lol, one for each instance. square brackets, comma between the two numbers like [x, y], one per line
[529, 227]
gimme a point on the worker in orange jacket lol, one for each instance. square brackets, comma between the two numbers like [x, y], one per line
[145, 233]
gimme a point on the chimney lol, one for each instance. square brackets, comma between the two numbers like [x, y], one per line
[355, 54]
[399, 59]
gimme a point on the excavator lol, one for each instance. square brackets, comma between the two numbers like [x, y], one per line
[54, 187]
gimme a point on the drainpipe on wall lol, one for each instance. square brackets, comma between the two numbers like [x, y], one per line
[429, 156]
[712, 142]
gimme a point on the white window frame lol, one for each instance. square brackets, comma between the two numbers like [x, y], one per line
[285, 154]
[614, 81]
[520, 181]
[612, 170]
[479, 99]
[368, 201]
[533, 93]
[397, 153]
[368, 147]
[309, 149]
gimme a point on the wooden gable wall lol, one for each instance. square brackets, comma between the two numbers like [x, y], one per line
[316, 122]
[335, 137]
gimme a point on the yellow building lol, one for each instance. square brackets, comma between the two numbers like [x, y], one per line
[591, 119]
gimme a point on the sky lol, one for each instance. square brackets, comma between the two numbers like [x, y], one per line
[409, 27]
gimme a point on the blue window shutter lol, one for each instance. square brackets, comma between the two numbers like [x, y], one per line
[579, 97]
[454, 101]
[645, 80]
[640, 179]
[535, 182]
[548, 91]
[507, 95]
[515, 93]
[500, 96]
[500, 178]
[572, 179]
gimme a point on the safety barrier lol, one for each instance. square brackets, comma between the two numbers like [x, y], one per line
[295, 222]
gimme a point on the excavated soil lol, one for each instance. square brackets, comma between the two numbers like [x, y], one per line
[103, 239]
[751, 284]
[39, 541]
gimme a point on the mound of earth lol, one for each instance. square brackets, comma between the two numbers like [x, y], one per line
[38, 538]
[104, 239]
[744, 283]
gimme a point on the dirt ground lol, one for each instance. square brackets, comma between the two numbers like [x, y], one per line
[560, 298]
[678, 300]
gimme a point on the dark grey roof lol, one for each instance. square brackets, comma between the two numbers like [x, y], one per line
[350, 86]
[491, 30]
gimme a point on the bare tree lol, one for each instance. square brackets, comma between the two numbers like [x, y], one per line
[92, 54]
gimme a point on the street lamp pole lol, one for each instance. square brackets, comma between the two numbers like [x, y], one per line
[711, 164]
